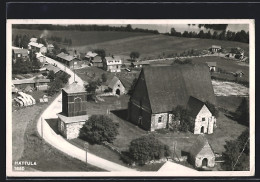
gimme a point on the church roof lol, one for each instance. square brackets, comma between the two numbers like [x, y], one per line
[170, 86]
[74, 88]
[194, 106]
[198, 145]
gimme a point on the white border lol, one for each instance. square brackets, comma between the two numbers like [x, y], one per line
[11, 173]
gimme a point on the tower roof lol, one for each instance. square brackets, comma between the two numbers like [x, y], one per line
[74, 88]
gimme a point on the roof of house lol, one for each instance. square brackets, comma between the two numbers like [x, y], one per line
[176, 168]
[126, 83]
[24, 81]
[194, 106]
[170, 86]
[21, 51]
[50, 67]
[43, 80]
[216, 47]
[97, 59]
[199, 144]
[91, 54]
[113, 60]
[34, 44]
[212, 64]
[113, 82]
[74, 88]
[66, 57]
[33, 39]
[72, 119]
[50, 46]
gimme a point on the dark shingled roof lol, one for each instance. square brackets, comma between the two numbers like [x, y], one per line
[170, 86]
[74, 88]
[113, 82]
[198, 145]
[194, 106]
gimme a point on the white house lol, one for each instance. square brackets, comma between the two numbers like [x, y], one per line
[112, 64]
[204, 120]
[37, 47]
[215, 48]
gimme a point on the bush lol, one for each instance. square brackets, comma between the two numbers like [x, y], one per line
[182, 116]
[98, 129]
[147, 148]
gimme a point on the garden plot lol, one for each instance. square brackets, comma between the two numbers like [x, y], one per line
[229, 89]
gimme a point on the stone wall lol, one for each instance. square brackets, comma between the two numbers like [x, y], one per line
[72, 129]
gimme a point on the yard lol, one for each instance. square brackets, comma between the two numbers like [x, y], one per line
[28, 146]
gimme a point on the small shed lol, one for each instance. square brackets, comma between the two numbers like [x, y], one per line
[201, 153]
[215, 48]
[116, 86]
[212, 66]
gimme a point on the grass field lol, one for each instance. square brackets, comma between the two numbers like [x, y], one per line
[81, 38]
[152, 46]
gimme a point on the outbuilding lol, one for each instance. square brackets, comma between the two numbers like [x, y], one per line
[212, 66]
[201, 153]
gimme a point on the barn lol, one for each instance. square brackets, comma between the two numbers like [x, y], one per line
[69, 60]
[201, 153]
[159, 89]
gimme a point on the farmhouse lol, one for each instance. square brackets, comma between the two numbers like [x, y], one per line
[20, 53]
[159, 89]
[236, 53]
[201, 153]
[97, 62]
[37, 47]
[112, 64]
[212, 66]
[69, 60]
[90, 55]
[74, 110]
[215, 48]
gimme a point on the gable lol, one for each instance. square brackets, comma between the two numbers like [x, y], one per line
[140, 93]
[206, 150]
[204, 111]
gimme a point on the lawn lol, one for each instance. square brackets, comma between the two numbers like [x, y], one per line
[152, 46]
[81, 38]
[28, 146]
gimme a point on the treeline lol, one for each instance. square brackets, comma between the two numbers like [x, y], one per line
[214, 26]
[67, 41]
[128, 28]
[241, 36]
[21, 41]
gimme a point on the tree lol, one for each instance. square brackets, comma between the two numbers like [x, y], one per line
[98, 129]
[242, 112]
[147, 148]
[55, 86]
[91, 89]
[236, 155]
[100, 52]
[134, 55]
[104, 77]
[51, 75]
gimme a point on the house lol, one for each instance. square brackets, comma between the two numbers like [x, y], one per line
[201, 153]
[159, 89]
[50, 67]
[215, 48]
[20, 53]
[50, 47]
[116, 86]
[41, 57]
[69, 60]
[112, 64]
[236, 53]
[37, 47]
[74, 110]
[140, 64]
[204, 120]
[239, 73]
[90, 55]
[97, 62]
[212, 66]
[38, 84]
[33, 40]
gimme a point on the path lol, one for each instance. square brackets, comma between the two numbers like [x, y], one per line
[59, 142]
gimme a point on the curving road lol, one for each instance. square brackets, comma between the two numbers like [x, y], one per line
[59, 142]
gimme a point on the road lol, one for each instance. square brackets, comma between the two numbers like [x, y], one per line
[59, 142]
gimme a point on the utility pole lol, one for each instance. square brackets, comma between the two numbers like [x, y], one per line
[86, 149]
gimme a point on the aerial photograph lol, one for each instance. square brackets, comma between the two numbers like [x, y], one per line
[130, 97]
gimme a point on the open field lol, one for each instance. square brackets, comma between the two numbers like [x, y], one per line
[81, 38]
[152, 46]
[230, 103]
[28, 146]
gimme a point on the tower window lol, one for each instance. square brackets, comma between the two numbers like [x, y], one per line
[203, 119]
[160, 119]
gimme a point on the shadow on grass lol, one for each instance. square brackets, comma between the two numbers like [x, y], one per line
[53, 123]
[122, 113]
[233, 117]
